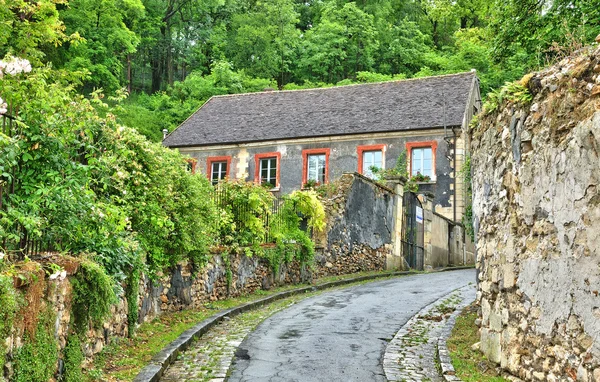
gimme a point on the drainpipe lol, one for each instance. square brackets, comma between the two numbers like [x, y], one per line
[455, 173]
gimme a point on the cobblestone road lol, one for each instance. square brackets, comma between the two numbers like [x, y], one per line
[411, 355]
[336, 335]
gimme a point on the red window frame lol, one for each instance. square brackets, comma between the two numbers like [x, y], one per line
[419, 145]
[258, 157]
[361, 149]
[305, 154]
[211, 160]
[193, 162]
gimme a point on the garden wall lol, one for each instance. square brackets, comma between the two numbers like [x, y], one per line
[360, 227]
[536, 179]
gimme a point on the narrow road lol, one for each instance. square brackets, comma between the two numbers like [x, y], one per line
[339, 335]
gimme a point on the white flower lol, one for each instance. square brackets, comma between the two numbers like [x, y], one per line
[15, 65]
[54, 276]
[3, 107]
[63, 274]
[2, 255]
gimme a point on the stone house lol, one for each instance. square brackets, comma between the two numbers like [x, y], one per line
[290, 138]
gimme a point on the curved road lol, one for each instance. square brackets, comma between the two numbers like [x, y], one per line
[339, 335]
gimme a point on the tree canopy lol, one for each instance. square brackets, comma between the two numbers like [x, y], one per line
[172, 55]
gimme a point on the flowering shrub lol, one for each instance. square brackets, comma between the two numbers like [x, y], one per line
[71, 175]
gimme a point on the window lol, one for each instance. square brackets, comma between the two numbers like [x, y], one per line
[191, 165]
[421, 162]
[315, 166]
[267, 169]
[370, 156]
[218, 168]
[422, 158]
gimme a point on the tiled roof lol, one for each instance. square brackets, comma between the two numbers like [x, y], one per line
[354, 109]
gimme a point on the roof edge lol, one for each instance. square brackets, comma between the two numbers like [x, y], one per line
[343, 86]
[187, 119]
[309, 136]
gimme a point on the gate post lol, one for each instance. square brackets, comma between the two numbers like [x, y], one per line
[427, 202]
[396, 259]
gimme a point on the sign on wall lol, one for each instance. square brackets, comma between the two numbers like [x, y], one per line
[419, 215]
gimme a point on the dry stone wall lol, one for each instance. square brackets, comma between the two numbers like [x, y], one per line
[536, 182]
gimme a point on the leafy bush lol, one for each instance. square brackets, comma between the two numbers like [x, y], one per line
[35, 361]
[244, 207]
[73, 358]
[93, 296]
[286, 228]
[400, 170]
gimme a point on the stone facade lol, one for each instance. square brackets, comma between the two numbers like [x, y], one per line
[536, 179]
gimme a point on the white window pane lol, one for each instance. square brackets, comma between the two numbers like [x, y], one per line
[417, 154]
[427, 164]
[427, 153]
[377, 158]
[312, 167]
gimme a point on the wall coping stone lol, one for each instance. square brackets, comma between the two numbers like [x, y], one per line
[159, 363]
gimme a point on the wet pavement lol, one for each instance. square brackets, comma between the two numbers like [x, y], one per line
[339, 335]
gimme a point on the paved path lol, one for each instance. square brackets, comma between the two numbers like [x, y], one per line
[339, 335]
[411, 355]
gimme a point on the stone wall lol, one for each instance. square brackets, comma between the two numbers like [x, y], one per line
[179, 290]
[536, 179]
[360, 227]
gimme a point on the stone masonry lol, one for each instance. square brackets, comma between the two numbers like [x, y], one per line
[536, 182]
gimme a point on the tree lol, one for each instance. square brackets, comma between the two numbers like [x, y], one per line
[543, 28]
[30, 29]
[263, 41]
[106, 26]
[341, 45]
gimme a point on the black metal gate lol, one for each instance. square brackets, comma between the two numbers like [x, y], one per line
[412, 231]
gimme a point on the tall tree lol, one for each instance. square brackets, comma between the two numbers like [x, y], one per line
[263, 41]
[106, 26]
[341, 45]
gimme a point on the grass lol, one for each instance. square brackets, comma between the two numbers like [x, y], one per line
[123, 359]
[470, 365]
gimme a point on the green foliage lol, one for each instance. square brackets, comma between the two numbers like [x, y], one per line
[150, 114]
[400, 170]
[243, 207]
[131, 294]
[9, 304]
[35, 361]
[511, 91]
[73, 359]
[286, 228]
[93, 296]
[467, 219]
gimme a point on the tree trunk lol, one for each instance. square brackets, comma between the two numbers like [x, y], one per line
[129, 79]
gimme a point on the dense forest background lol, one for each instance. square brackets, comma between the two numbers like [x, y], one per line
[172, 55]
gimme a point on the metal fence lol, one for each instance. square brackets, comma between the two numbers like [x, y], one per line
[241, 211]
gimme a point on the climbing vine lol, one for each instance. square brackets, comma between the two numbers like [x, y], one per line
[73, 358]
[35, 361]
[467, 219]
[132, 289]
[9, 304]
[93, 296]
